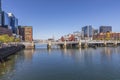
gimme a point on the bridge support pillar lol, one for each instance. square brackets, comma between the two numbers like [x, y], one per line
[33, 45]
[105, 44]
[65, 45]
[49, 45]
[86, 45]
[79, 44]
[115, 43]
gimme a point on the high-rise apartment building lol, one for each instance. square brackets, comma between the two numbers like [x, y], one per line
[104, 29]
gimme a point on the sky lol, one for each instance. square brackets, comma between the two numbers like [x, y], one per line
[60, 17]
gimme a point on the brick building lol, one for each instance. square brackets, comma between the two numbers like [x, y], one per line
[107, 36]
[26, 32]
[5, 31]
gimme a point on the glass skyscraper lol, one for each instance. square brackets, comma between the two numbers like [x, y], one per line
[8, 22]
[0, 19]
[4, 19]
[0, 14]
[13, 23]
[87, 31]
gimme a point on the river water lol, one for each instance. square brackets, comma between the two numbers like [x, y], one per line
[67, 64]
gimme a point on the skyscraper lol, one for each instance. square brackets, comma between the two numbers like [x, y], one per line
[4, 19]
[0, 14]
[13, 23]
[87, 31]
[4, 22]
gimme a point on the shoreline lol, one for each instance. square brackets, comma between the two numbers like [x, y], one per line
[7, 51]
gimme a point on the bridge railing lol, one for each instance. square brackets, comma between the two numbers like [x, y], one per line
[82, 41]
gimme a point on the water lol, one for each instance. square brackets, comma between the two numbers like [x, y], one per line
[56, 64]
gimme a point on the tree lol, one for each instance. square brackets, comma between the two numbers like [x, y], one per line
[11, 39]
[17, 40]
[5, 39]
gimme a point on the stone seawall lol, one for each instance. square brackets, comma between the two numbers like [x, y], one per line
[6, 52]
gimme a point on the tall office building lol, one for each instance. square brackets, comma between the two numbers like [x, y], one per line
[4, 23]
[13, 23]
[4, 20]
[104, 29]
[87, 31]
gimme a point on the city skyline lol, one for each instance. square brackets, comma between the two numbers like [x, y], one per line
[60, 17]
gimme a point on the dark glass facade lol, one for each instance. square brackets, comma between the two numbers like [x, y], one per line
[8, 21]
[16, 22]
[4, 20]
[104, 29]
[13, 23]
[0, 18]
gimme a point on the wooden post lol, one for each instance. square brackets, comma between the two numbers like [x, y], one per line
[49, 45]
[33, 45]
[115, 43]
[86, 45]
[79, 44]
[105, 44]
[64, 46]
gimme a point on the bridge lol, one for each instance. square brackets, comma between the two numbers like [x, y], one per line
[75, 42]
[81, 43]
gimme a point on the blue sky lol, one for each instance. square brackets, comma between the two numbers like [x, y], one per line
[59, 17]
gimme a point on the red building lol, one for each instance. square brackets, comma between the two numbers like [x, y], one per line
[107, 36]
[70, 37]
[27, 33]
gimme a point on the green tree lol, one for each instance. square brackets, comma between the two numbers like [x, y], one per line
[17, 40]
[6, 39]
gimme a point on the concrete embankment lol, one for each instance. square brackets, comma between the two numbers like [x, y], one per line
[6, 52]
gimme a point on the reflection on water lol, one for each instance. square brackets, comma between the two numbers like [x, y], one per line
[28, 54]
[63, 64]
[8, 68]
